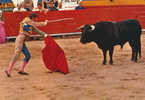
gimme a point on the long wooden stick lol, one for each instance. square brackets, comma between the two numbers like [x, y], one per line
[50, 21]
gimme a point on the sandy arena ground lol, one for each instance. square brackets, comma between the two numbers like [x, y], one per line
[88, 78]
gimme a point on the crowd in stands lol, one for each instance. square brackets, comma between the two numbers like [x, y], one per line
[43, 5]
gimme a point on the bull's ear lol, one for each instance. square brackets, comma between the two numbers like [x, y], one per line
[92, 27]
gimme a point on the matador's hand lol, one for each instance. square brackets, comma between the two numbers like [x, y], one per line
[46, 21]
[45, 35]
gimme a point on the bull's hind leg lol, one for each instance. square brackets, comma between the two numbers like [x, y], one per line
[136, 55]
[138, 49]
[133, 54]
[134, 48]
[111, 54]
[104, 53]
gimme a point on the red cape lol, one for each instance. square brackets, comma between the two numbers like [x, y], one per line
[54, 57]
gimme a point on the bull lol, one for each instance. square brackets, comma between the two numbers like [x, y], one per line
[107, 34]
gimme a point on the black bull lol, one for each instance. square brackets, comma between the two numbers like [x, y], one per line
[108, 34]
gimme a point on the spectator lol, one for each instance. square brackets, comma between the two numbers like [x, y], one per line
[56, 3]
[50, 6]
[28, 5]
[60, 5]
[40, 8]
[19, 8]
[44, 3]
[79, 7]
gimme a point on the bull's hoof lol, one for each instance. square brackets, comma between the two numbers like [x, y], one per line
[111, 62]
[104, 63]
[135, 61]
[132, 59]
[140, 57]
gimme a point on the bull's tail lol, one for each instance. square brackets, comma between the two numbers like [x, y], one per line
[139, 47]
[139, 39]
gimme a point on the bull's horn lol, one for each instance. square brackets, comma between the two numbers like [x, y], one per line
[93, 27]
[80, 27]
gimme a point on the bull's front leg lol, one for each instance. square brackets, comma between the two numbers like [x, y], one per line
[111, 54]
[104, 53]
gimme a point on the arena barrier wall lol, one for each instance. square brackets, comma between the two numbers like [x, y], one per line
[80, 17]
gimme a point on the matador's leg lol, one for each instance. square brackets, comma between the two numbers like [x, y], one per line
[26, 59]
[18, 49]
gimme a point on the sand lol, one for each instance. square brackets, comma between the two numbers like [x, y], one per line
[88, 78]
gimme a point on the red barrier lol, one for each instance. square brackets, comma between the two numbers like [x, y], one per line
[86, 16]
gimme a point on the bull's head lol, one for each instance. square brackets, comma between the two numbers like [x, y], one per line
[86, 33]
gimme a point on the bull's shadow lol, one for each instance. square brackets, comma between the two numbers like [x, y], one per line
[108, 34]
